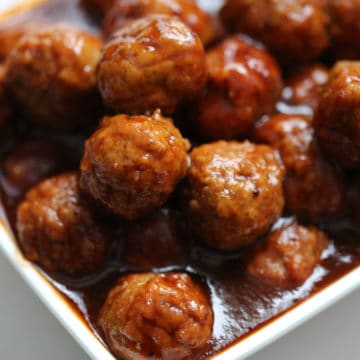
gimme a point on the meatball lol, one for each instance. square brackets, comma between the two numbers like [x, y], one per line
[354, 199]
[314, 188]
[295, 30]
[157, 316]
[288, 256]
[36, 159]
[51, 76]
[244, 83]
[58, 231]
[131, 165]
[337, 117]
[345, 27]
[153, 242]
[304, 86]
[154, 62]
[233, 193]
[6, 111]
[186, 10]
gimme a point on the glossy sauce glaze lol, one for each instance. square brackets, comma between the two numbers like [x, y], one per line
[162, 242]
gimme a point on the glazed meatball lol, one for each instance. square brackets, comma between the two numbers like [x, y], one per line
[154, 62]
[288, 256]
[292, 29]
[156, 316]
[337, 118]
[6, 111]
[244, 83]
[314, 188]
[58, 231]
[153, 242]
[186, 10]
[304, 86]
[131, 165]
[99, 8]
[51, 76]
[34, 159]
[233, 193]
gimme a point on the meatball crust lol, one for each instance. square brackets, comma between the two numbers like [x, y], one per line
[186, 10]
[131, 165]
[234, 192]
[157, 316]
[288, 256]
[51, 76]
[314, 188]
[244, 82]
[292, 29]
[6, 111]
[304, 86]
[35, 159]
[337, 118]
[58, 231]
[154, 62]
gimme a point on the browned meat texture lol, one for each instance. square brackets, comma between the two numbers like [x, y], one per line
[35, 159]
[131, 165]
[244, 83]
[295, 30]
[314, 188]
[337, 118]
[157, 316]
[154, 62]
[234, 192]
[58, 231]
[288, 256]
[98, 8]
[51, 76]
[304, 86]
[186, 10]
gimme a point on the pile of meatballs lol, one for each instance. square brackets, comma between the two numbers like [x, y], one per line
[268, 92]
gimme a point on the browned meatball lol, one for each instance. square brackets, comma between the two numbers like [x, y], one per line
[58, 231]
[292, 29]
[154, 62]
[153, 242]
[314, 188]
[51, 76]
[345, 27]
[304, 86]
[156, 316]
[337, 118]
[288, 256]
[234, 192]
[6, 111]
[131, 165]
[244, 83]
[36, 159]
[186, 10]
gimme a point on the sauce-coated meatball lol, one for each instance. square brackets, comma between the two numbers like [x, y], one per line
[58, 231]
[186, 10]
[337, 118]
[314, 188]
[98, 8]
[34, 160]
[288, 256]
[6, 111]
[244, 83]
[156, 316]
[51, 76]
[304, 86]
[234, 192]
[131, 165]
[292, 29]
[154, 62]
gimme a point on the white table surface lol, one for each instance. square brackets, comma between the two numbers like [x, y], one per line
[29, 332]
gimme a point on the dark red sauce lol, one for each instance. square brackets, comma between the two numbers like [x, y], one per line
[161, 242]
